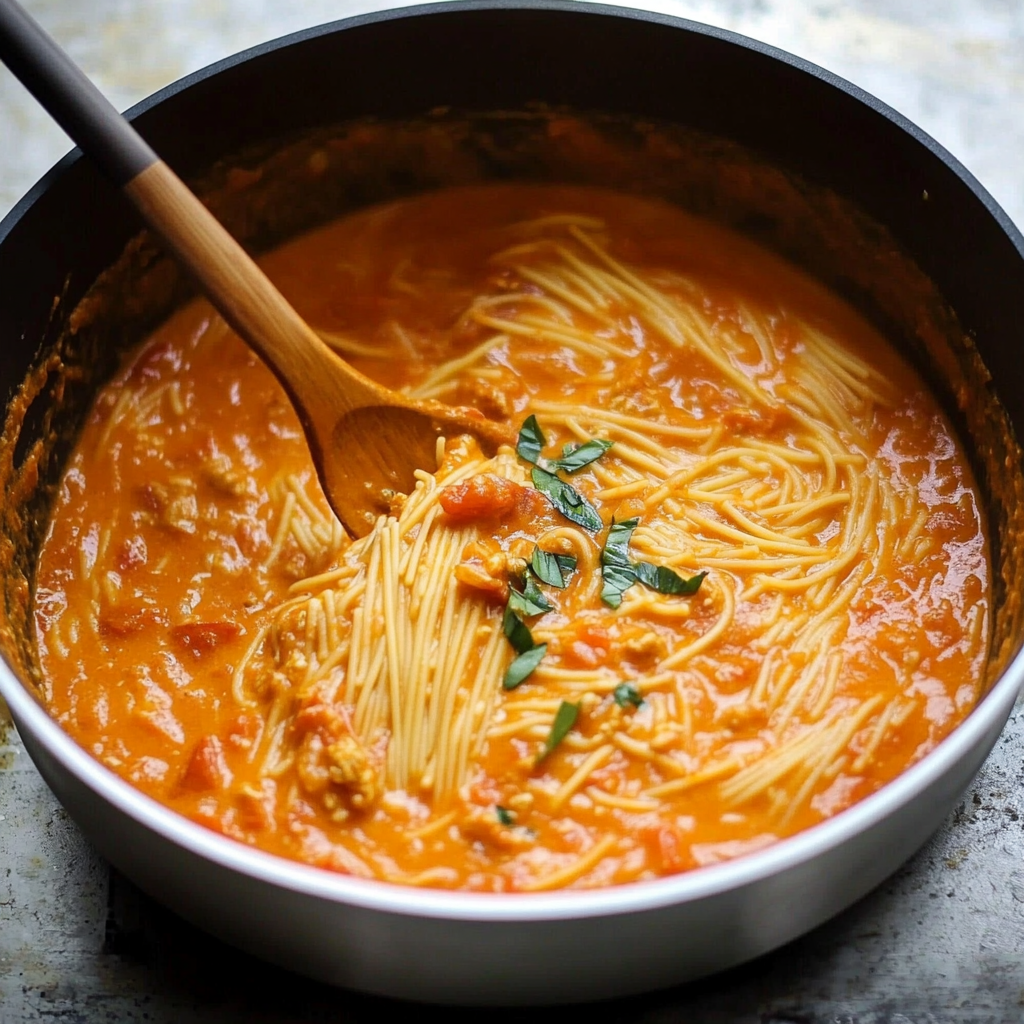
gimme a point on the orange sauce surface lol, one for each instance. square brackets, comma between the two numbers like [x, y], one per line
[762, 434]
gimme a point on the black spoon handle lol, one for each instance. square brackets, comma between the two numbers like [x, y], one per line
[235, 285]
[71, 99]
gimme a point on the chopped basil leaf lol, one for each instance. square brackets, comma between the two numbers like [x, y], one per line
[529, 600]
[565, 719]
[617, 571]
[523, 666]
[566, 499]
[666, 581]
[531, 440]
[576, 456]
[567, 563]
[533, 594]
[505, 816]
[531, 443]
[616, 547]
[615, 581]
[626, 694]
[517, 631]
[552, 569]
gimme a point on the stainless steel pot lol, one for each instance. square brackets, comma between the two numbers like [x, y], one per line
[731, 128]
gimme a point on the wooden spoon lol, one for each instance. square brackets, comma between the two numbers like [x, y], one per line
[366, 441]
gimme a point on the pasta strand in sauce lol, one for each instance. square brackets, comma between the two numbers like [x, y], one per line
[733, 580]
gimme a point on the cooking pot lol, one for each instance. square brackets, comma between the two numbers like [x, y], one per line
[286, 134]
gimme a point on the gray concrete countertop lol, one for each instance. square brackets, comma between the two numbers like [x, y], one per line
[942, 942]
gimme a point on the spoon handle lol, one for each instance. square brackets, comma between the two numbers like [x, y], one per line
[70, 97]
[319, 383]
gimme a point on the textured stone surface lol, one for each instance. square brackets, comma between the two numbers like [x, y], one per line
[942, 942]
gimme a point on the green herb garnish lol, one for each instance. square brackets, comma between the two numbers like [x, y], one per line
[616, 580]
[576, 456]
[529, 600]
[620, 572]
[565, 719]
[517, 631]
[626, 695]
[552, 569]
[523, 665]
[617, 570]
[531, 441]
[523, 603]
[504, 815]
[566, 499]
[665, 581]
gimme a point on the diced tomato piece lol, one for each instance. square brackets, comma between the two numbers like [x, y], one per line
[665, 844]
[207, 768]
[329, 721]
[198, 638]
[481, 497]
[125, 620]
[256, 813]
[532, 504]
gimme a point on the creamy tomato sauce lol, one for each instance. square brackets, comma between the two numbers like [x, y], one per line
[733, 580]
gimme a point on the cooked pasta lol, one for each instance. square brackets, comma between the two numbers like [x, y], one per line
[731, 580]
